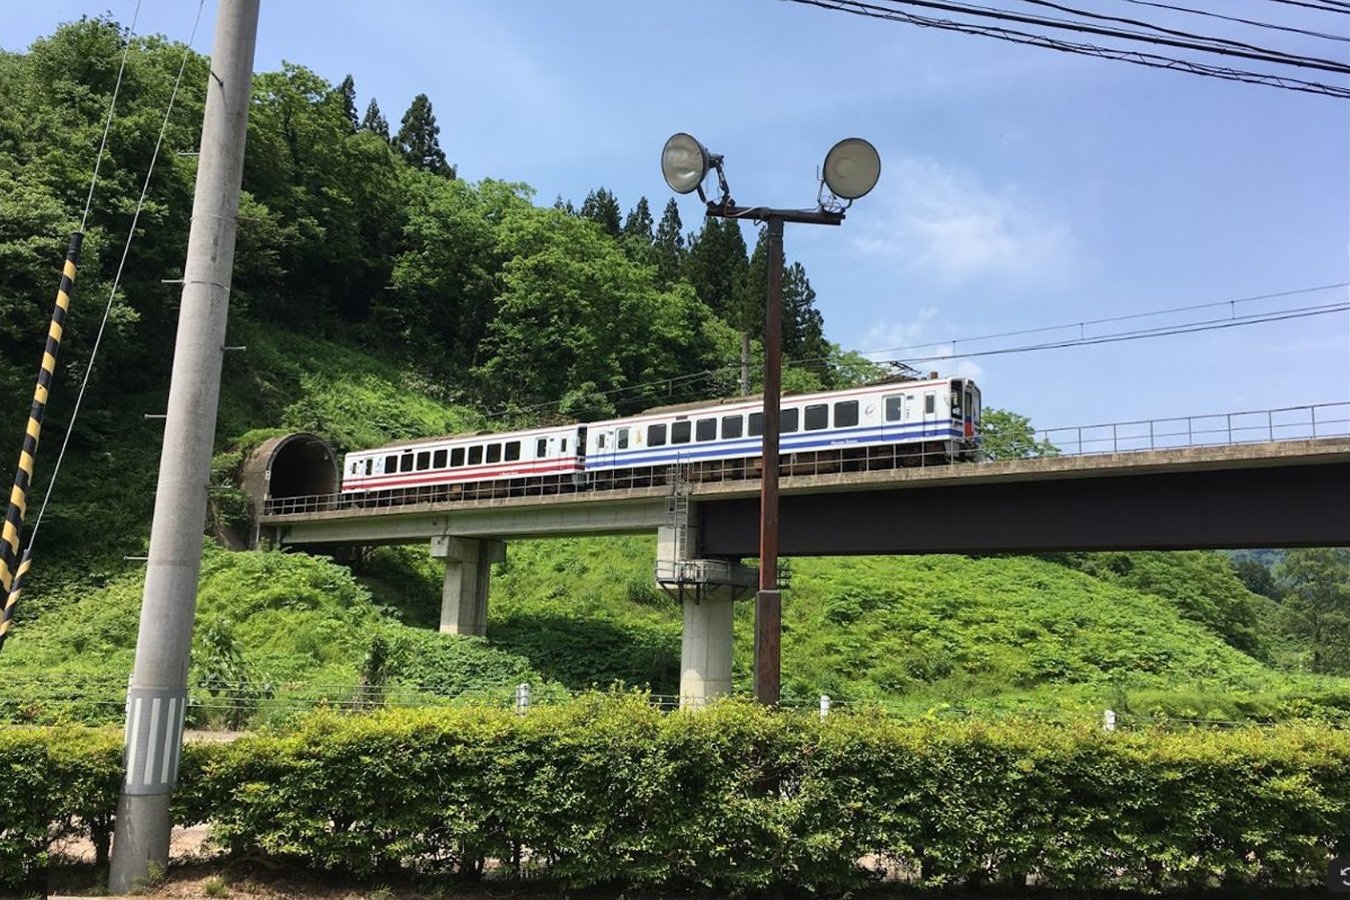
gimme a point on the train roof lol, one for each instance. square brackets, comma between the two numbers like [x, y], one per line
[466, 436]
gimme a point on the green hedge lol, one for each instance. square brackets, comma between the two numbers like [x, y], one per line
[54, 784]
[607, 790]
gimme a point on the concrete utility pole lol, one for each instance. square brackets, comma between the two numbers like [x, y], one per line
[157, 697]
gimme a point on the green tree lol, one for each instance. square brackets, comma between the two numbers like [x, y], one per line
[637, 238]
[602, 207]
[374, 120]
[1007, 435]
[1316, 605]
[1257, 576]
[419, 139]
[347, 96]
[718, 268]
[669, 245]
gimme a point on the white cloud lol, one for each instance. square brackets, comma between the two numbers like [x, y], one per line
[940, 222]
[917, 338]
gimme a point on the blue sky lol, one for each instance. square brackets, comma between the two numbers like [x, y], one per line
[1020, 187]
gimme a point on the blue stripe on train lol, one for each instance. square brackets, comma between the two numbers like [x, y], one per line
[789, 443]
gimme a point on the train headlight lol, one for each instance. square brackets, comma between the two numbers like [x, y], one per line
[684, 163]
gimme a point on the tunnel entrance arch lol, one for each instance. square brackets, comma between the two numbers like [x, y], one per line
[290, 467]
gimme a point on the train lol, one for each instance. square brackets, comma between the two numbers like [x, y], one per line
[916, 422]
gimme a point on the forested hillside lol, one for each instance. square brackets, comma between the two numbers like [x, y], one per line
[380, 295]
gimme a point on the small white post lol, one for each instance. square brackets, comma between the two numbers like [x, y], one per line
[1109, 720]
[523, 698]
[824, 705]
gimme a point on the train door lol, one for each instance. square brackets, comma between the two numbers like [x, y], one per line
[930, 412]
[602, 453]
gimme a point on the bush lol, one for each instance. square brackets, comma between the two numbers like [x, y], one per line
[609, 791]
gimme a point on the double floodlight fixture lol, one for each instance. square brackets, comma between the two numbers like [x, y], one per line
[851, 170]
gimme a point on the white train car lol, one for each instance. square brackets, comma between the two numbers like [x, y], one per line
[935, 417]
[540, 453]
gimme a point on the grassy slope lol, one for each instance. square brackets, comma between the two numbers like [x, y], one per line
[925, 631]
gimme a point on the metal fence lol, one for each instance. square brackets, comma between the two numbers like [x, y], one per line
[1289, 423]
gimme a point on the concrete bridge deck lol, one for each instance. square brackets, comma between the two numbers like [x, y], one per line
[1282, 493]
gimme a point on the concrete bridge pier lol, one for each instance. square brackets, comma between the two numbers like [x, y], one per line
[468, 571]
[707, 590]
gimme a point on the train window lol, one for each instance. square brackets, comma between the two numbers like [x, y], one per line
[405, 462]
[600, 441]
[929, 403]
[541, 448]
[817, 416]
[680, 431]
[494, 453]
[755, 424]
[787, 422]
[438, 459]
[893, 408]
[424, 460]
[370, 465]
[476, 455]
[390, 465]
[731, 427]
[656, 435]
[562, 446]
[456, 457]
[512, 451]
[623, 439]
[705, 430]
[846, 414]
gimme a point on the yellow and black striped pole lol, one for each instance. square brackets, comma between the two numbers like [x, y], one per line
[11, 572]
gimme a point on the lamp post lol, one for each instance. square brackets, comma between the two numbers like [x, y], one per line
[851, 170]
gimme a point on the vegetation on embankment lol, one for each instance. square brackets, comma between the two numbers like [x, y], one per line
[607, 790]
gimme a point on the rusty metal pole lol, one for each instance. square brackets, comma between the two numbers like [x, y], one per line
[769, 600]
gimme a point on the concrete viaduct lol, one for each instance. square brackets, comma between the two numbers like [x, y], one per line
[1276, 494]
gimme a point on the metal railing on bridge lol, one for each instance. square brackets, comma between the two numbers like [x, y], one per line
[1289, 423]
[1320, 420]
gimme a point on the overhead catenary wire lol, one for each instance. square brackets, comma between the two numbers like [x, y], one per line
[1330, 6]
[117, 279]
[107, 122]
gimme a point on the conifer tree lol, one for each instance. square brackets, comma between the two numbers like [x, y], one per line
[717, 267]
[603, 207]
[670, 245]
[347, 93]
[374, 120]
[419, 139]
[639, 222]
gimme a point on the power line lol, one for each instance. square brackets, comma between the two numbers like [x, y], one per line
[1258, 24]
[1136, 57]
[1331, 6]
[1189, 42]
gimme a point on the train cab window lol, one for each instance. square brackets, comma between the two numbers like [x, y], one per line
[787, 422]
[438, 459]
[424, 460]
[846, 414]
[755, 424]
[731, 427]
[622, 442]
[456, 457]
[705, 430]
[680, 432]
[656, 435]
[929, 403]
[512, 451]
[893, 408]
[390, 465]
[370, 465]
[405, 462]
[817, 416]
[541, 448]
[494, 453]
[476, 455]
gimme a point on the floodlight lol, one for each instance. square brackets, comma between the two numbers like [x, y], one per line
[684, 163]
[852, 168]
